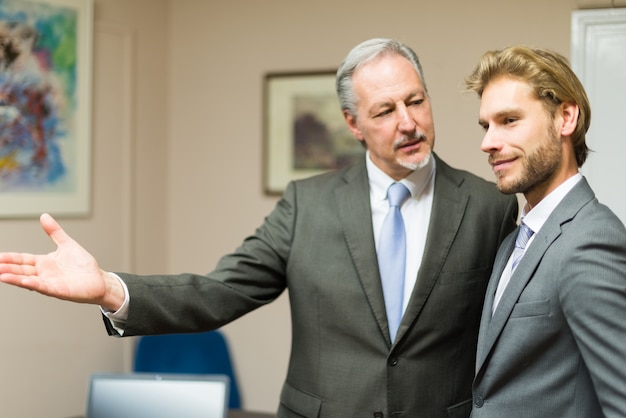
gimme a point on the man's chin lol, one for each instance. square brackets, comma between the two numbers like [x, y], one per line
[504, 190]
[507, 188]
[416, 163]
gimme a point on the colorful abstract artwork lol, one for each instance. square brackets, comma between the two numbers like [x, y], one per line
[44, 106]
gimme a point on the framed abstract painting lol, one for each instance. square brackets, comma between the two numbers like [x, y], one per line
[45, 107]
[305, 131]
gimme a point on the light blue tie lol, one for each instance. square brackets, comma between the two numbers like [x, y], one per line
[523, 236]
[392, 256]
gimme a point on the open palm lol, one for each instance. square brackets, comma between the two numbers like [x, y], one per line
[69, 273]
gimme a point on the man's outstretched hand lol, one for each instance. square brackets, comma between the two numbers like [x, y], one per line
[68, 273]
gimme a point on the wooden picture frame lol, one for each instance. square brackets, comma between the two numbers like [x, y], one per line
[305, 132]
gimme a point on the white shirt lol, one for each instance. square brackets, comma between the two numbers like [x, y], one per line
[534, 219]
[415, 212]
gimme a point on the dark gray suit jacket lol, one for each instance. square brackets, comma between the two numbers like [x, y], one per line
[319, 245]
[556, 345]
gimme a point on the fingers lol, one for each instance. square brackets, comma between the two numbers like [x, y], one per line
[17, 269]
[20, 280]
[53, 229]
[8, 261]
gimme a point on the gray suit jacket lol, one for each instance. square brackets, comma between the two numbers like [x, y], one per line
[318, 244]
[556, 345]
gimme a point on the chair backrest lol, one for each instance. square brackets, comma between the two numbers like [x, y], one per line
[198, 353]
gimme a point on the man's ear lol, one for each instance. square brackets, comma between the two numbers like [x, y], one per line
[352, 125]
[569, 114]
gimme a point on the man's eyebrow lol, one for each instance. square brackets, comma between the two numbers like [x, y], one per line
[502, 113]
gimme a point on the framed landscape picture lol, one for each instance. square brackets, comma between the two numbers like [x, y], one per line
[305, 131]
[45, 107]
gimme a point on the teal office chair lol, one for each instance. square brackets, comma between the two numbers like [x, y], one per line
[199, 353]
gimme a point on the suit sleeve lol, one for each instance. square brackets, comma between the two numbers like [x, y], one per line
[250, 277]
[593, 297]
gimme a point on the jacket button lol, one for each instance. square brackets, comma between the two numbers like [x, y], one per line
[393, 361]
[479, 401]
[379, 415]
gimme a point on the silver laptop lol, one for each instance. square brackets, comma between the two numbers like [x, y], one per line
[154, 395]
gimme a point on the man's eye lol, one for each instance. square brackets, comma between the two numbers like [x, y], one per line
[417, 102]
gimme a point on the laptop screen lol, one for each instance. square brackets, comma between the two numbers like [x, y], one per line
[152, 395]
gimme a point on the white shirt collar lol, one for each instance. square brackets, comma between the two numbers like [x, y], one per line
[537, 216]
[416, 182]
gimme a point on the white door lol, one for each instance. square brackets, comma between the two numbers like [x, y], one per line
[599, 60]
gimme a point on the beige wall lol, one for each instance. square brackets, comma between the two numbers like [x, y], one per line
[177, 127]
[49, 347]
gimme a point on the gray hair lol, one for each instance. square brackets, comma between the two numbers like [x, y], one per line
[361, 55]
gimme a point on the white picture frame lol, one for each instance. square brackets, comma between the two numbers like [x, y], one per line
[45, 117]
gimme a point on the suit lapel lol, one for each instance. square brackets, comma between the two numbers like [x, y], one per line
[449, 203]
[355, 213]
[500, 262]
[491, 329]
[522, 274]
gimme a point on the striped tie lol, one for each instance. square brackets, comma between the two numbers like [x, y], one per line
[523, 236]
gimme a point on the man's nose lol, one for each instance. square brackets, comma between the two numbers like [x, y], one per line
[490, 142]
[406, 123]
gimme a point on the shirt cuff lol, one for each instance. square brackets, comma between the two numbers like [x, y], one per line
[119, 317]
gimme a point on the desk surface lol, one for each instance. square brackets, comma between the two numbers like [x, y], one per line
[237, 413]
